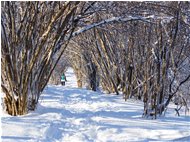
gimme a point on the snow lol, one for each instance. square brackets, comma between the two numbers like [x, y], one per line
[109, 20]
[67, 113]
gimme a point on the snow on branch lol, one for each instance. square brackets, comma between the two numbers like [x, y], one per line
[107, 21]
[110, 20]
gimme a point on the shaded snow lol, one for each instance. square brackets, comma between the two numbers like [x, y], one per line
[66, 113]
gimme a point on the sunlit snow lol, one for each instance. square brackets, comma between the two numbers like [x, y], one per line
[69, 114]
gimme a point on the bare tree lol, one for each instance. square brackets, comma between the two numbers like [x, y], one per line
[139, 48]
[31, 33]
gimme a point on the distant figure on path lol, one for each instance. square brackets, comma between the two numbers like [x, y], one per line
[63, 79]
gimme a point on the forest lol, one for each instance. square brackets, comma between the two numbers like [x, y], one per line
[140, 50]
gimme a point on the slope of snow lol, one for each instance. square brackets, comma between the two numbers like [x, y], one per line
[69, 114]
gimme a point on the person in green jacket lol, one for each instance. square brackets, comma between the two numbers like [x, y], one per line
[63, 79]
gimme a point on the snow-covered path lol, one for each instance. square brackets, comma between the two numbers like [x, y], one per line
[67, 113]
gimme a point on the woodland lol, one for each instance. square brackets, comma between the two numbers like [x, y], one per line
[140, 50]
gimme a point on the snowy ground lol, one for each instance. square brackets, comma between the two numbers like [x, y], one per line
[67, 113]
